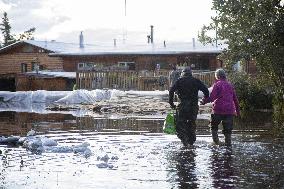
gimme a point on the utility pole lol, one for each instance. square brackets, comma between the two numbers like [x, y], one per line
[124, 7]
[124, 35]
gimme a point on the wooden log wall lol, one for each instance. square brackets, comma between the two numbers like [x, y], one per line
[33, 83]
[11, 63]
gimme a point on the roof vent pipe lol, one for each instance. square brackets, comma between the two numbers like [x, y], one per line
[81, 40]
[149, 38]
[152, 34]
[193, 43]
[114, 42]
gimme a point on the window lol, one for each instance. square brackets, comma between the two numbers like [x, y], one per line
[80, 66]
[199, 63]
[33, 66]
[36, 66]
[86, 65]
[24, 67]
[163, 65]
[127, 65]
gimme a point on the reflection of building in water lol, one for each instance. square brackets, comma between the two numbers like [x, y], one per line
[130, 124]
[19, 123]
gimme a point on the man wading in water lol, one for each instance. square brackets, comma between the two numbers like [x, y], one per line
[187, 88]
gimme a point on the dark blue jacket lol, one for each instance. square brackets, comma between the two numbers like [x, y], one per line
[187, 87]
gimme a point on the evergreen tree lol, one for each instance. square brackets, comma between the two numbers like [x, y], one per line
[9, 38]
[5, 28]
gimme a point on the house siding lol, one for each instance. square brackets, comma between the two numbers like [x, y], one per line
[32, 83]
[142, 62]
[71, 63]
[10, 61]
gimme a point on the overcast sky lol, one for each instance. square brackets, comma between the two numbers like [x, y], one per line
[104, 20]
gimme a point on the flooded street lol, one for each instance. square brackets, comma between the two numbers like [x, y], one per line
[132, 152]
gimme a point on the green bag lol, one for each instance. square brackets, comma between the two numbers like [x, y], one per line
[170, 124]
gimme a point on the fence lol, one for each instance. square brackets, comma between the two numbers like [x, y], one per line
[207, 77]
[131, 80]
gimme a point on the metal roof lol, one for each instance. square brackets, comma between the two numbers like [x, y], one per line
[73, 49]
[53, 74]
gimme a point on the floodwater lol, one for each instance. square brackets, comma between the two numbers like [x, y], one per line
[139, 154]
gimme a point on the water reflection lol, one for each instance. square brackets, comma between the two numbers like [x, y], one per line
[186, 168]
[202, 166]
[222, 169]
[19, 123]
[144, 157]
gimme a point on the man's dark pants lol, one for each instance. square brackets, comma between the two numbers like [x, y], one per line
[186, 126]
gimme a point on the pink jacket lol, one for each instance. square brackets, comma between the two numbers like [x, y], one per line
[224, 98]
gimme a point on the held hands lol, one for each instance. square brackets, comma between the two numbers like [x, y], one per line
[173, 106]
[202, 102]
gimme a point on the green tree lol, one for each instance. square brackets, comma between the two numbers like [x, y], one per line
[9, 38]
[252, 30]
[5, 28]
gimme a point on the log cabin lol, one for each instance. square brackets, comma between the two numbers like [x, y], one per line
[24, 58]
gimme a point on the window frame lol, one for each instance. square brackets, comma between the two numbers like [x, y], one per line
[24, 67]
[125, 64]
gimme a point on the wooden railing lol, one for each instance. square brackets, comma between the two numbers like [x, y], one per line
[131, 80]
[104, 79]
[207, 77]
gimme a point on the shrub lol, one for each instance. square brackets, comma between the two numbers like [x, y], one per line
[254, 92]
